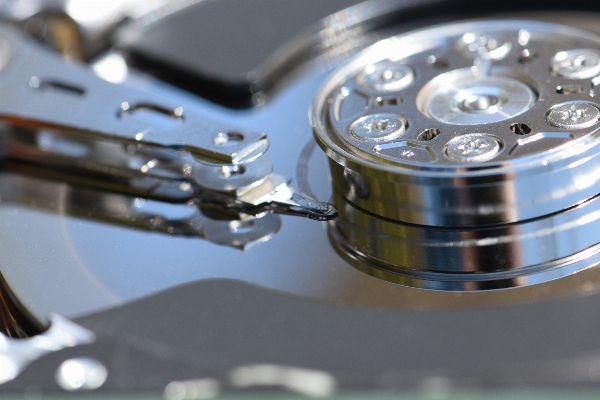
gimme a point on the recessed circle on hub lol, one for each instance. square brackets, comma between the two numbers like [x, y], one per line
[462, 97]
[478, 103]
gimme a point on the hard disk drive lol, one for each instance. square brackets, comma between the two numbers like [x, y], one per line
[266, 199]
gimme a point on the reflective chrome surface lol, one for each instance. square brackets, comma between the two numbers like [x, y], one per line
[29, 185]
[124, 132]
[16, 354]
[476, 258]
[503, 190]
[60, 93]
[95, 265]
[496, 158]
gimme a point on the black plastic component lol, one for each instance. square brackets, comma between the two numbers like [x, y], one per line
[237, 52]
[218, 49]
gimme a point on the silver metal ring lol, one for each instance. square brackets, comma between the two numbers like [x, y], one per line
[494, 159]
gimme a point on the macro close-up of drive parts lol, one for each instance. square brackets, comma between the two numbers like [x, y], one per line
[466, 156]
[366, 198]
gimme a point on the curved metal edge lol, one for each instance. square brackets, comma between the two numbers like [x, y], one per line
[465, 281]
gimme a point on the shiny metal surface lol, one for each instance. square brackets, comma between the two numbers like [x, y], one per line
[483, 45]
[16, 354]
[492, 257]
[473, 147]
[386, 77]
[202, 160]
[152, 267]
[462, 97]
[61, 92]
[472, 206]
[95, 265]
[535, 169]
[576, 64]
[27, 185]
[378, 127]
[574, 115]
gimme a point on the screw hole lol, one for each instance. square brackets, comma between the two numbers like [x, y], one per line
[228, 139]
[569, 89]
[232, 170]
[428, 134]
[520, 129]
[388, 101]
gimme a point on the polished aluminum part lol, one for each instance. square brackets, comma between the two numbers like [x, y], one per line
[113, 112]
[16, 354]
[485, 45]
[533, 172]
[185, 219]
[136, 134]
[378, 127]
[233, 177]
[469, 258]
[576, 64]
[386, 77]
[473, 148]
[465, 97]
[573, 115]
[94, 265]
[499, 156]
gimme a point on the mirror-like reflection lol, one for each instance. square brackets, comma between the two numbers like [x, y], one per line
[40, 187]
[93, 265]
[469, 258]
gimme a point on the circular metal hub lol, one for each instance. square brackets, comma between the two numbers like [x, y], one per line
[462, 97]
[461, 127]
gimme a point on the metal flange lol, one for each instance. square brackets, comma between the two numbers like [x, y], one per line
[468, 130]
[466, 156]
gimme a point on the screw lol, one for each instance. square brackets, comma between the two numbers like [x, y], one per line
[81, 373]
[576, 64]
[386, 77]
[473, 147]
[378, 127]
[485, 46]
[573, 115]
